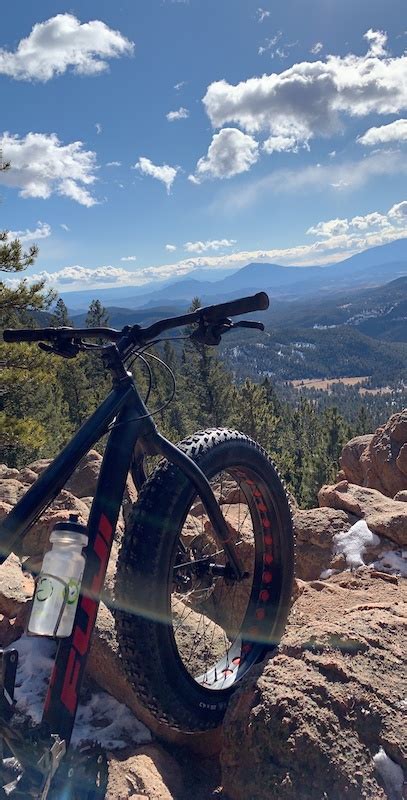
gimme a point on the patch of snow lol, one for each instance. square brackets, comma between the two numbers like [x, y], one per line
[307, 345]
[393, 562]
[110, 723]
[35, 661]
[391, 773]
[326, 573]
[353, 543]
[102, 719]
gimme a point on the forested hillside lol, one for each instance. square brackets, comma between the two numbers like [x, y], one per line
[46, 398]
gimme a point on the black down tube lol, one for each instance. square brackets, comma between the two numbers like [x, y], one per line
[69, 667]
[53, 479]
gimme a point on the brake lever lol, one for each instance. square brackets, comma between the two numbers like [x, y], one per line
[212, 332]
[66, 349]
[248, 323]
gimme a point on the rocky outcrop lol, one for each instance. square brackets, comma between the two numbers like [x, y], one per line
[314, 533]
[310, 722]
[149, 772]
[322, 718]
[384, 516]
[379, 461]
[16, 590]
[350, 458]
[75, 498]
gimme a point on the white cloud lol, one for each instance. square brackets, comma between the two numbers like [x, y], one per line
[362, 231]
[114, 164]
[316, 48]
[98, 128]
[335, 240]
[42, 231]
[377, 41]
[128, 258]
[163, 173]
[283, 49]
[180, 85]
[309, 98]
[64, 226]
[84, 275]
[210, 244]
[338, 176]
[279, 144]
[230, 153]
[335, 227]
[60, 43]
[170, 247]
[262, 14]
[182, 113]
[42, 166]
[399, 211]
[385, 134]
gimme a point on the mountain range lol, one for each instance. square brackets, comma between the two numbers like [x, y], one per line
[348, 319]
[372, 267]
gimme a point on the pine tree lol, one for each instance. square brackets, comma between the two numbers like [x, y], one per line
[252, 413]
[207, 383]
[14, 301]
[60, 314]
[97, 316]
[31, 403]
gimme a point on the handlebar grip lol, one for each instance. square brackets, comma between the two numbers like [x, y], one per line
[256, 302]
[23, 335]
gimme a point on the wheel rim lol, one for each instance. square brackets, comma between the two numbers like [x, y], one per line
[221, 627]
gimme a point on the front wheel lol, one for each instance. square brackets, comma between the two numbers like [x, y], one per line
[188, 631]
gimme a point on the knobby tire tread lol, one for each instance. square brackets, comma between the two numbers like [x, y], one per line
[139, 563]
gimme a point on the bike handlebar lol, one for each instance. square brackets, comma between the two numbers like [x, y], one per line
[207, 314]
[11, 335]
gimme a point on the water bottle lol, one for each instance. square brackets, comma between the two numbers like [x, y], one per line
[59, 582]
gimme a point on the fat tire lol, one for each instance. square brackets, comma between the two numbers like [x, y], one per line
[146, 642]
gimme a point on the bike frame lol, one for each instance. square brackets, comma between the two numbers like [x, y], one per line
[132, 430]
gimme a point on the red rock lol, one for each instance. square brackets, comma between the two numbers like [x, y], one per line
[379, 461]
[307, 722]
[383, 516]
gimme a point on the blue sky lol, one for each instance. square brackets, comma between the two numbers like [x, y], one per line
[286, 137]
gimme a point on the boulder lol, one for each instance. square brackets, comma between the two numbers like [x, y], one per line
[149, 772]
[40, 465]
[36, 541]
[83, 481]
[27, 476]
[401, 496]
[4, 509]
[11, 490]
[350, 458]
[16, 591]
[309, 721]
[384, 516]
[314, 531]
[8, 472]
[379, 461]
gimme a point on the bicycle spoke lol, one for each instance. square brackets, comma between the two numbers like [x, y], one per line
[213, 606]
